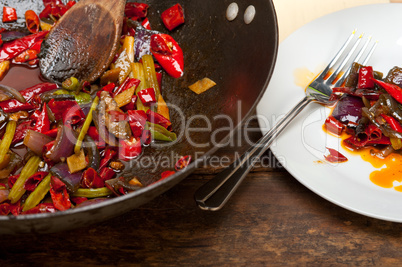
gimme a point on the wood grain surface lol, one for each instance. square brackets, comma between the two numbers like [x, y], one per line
[271, 220]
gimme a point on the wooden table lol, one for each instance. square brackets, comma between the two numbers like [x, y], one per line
[271, 220]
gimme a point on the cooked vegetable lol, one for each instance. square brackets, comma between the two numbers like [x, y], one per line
[93, 192]
[38, 194]
[85, 126]
[18, 188]
[7, 139]
[202, 85]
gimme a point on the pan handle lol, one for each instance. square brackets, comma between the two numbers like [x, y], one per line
[215, 193]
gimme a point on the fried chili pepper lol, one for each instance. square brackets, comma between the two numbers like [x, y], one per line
[55, 9]
[4, 208]
[106, 173]
[41, 208]
[136, 11]
[68, 111]
[182, 162]
[91, 179]
[32, 21]
[393, 123]
[334, 156]
[59, 194]
[145, 23]
[394, 90]
[128, 83]
[108, 156]
[42, 123]
[12, 49]
[173, 17]
[12, 105]
[333, 125]
[32, 182]
[26, 56]
[93, 133]
[168, 53]
[147, 96]
[156, 118]
[9, 14]
[21, 131]
[366, 76]
[132, 104]
[146, 137]
[130, 149]
[137, 120]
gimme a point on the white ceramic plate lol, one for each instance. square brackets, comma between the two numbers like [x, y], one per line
[302, 145]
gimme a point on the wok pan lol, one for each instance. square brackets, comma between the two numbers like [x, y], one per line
[239, 57]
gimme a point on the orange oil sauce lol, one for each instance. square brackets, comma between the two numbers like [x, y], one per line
[389, 169]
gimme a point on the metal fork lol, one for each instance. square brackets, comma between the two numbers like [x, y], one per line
[214, 194]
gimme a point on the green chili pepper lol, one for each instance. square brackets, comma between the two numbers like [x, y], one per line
[159, 132]
[71, 84]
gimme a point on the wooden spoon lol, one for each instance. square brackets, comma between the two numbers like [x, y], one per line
[84, 41]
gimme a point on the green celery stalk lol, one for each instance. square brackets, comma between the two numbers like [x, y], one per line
[7, 139]
[18, 188]
[150, 74]
[138, 73]
[92, 192]
[85, 126]
[38, 194]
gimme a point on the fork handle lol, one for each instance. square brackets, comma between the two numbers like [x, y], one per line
[215, 193]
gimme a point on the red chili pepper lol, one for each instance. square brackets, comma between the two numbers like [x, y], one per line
[157, 118]
[393, 123]
[41, 208]
[147, 96]
[42, 123]
[136, 11]
[182, 162]
[131, 105]
[333, 125]
[9, 14]
[16, 208]
[11, 180]
[334, 156]
[145, 23]
[52, 133]
[166, 174]
[366, 77]
[4, 209]
[59, 194]
[32, 21]
[94, 134]
[108, 156]
[128, 83]
[146, 137]
[130, 149]
[394, 90]
[173, 17]
[32, 182]
[25, 56]
[12, 105]
[21, 131]
[78, 200]
[168, 53]
[55, 8]
[137, 120]
[12, 49]
[91, 179]
[68, 111]
[106, 173]
[108, 88]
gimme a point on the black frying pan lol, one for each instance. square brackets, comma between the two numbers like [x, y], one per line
[240, 58]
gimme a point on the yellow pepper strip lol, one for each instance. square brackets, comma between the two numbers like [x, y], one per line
[128, 45]
[76, 162]
[4, 66]
[162, 109]
[7, 139]
[92, 192]
[38, 194]
[85, 126]
[18, 188]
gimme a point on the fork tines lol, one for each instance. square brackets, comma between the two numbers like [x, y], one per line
[348, 54]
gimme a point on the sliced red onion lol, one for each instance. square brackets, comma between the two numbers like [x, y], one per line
[12, 92]
[142, 42]
[64, 144]
[348, 109]
[72, 180]
[35, 141]
[7, 36]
